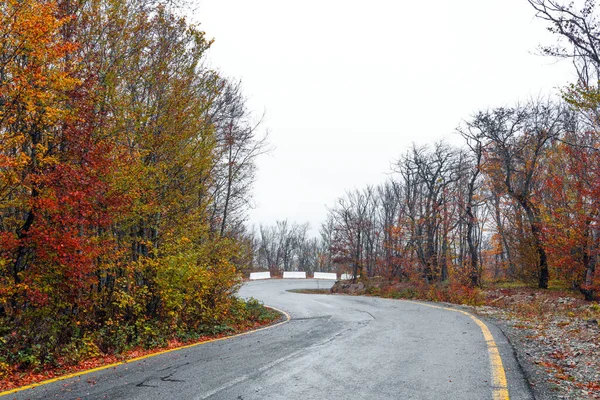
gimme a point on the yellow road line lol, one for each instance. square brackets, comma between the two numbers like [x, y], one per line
[89, 371]
[499, 383]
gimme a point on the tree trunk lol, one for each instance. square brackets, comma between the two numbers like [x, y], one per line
[589, 262]
[228, 192]
[534, 222]
[473, 267]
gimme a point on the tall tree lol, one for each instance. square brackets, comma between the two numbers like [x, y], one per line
[515, 141]
[473, 137]
[238, 144]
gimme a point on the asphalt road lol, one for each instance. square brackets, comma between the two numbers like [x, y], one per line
[334, 347]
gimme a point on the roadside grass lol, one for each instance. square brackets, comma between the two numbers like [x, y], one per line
[553, 285]
[443, 292]
[507, 285]
[255, 316]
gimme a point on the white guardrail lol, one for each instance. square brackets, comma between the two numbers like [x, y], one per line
[294, 275]
[325, 275]
[260, 275]
[254, 276]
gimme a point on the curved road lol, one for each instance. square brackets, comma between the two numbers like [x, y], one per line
[334, 347]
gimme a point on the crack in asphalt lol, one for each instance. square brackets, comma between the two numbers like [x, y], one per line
[360, 311]
[166, 378]
[169, 379]
[174, 367]
[311, 318]
[143, 383]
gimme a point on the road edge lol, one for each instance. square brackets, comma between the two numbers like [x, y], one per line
[519, 358]
[500, 383]
[113, 365]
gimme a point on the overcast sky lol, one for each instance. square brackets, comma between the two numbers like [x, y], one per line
[347, 86]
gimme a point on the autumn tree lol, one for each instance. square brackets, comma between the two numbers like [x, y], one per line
[471, 172]
[390, 216]
[515, 141]
[109, 155]
[429, 177]
[572, 210]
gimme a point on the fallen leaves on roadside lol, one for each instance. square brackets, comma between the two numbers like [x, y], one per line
[559, 335]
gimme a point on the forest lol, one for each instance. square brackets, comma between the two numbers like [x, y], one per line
[125, 173]
[518, 202]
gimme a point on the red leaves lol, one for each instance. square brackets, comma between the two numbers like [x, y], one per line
[106, 169]
[572, 209]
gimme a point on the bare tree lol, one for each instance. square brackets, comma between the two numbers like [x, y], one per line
[352, 223]
[326, 241]
[237, 146]
[389, 208]
[287, 247]
[428, 176]
[474, 138]
[580, 28]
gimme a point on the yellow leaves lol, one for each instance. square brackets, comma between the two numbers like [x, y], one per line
[117, 167]
[35, 85]
[5, 369]
[34, 73]
[582, 97]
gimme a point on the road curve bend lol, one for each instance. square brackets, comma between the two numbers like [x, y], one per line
[334, 347]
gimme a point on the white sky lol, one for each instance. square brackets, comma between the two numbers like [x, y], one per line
[347, 85]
